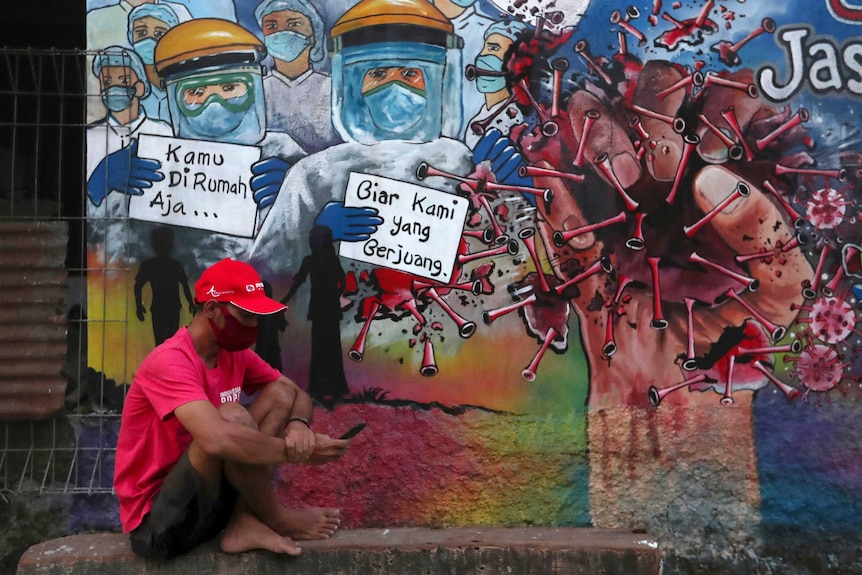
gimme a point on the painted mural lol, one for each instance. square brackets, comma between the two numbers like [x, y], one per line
[601, 215]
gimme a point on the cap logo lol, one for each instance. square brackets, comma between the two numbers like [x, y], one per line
[254, 287]
[215, 293]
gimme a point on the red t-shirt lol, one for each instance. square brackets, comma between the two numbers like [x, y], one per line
[151, 439]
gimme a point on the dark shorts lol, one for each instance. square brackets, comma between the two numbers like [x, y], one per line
[182, 516]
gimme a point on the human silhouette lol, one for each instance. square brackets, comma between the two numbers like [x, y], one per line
[269, 326]
[327, 382]
[164, 274]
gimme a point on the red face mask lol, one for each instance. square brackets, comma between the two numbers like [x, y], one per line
[234, 336]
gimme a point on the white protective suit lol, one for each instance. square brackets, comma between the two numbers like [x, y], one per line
[322, 178]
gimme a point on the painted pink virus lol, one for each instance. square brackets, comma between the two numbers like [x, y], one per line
[819, 368]
[826, 209]
[832, 320]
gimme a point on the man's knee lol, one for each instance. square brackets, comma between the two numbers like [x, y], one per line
[236, 413]
[278, 396]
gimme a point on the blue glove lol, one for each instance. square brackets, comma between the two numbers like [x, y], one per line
[123, 171]
[505, 160]
[267, 179]
[348, 224]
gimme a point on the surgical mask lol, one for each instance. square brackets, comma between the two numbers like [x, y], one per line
[286, 45]
[215, 119]
[146, 49]
[234, 336]
[489, 84]
[395, 108]
[118, 98]
[463, 3]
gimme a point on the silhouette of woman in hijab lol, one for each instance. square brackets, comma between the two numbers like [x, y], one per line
[327, 382]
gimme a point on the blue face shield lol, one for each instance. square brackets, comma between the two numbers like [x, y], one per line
[489, 84]
[395, 108]
[286, 45]
[396, 112]
[118, 98]
[146, 49]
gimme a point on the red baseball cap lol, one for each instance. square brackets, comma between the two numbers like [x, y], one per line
[236, 282]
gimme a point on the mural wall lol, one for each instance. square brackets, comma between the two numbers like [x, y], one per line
[576, 262]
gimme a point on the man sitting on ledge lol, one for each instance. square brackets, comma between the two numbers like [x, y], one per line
[191, 461]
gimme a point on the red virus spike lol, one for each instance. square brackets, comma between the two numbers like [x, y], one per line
[658, 321]
[603, 264]
[656, 395]
[790, 392]
[489, 316]
[529, 372]
[561, 238]
[741, 191]
[798, 118]
[751, 283]
[357, 351]
[528, 236]
[466, 328]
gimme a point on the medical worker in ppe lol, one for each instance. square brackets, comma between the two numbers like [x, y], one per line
[147, 24]
[499, 37]
[470, 24]
[114, 170]
[112, 164]
[108, 26]
[212, 73]
[297, 95]
[396, 78]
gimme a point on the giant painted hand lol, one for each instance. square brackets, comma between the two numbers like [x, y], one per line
[673, 217]
[123, 171]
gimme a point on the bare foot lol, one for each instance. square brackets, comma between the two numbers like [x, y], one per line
[312, 523]
[246, 532]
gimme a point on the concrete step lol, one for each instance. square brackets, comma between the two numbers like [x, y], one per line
[401, 551]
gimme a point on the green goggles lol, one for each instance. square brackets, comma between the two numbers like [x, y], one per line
[234, 91]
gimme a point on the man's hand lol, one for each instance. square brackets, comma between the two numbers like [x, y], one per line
[299, 441]
[327, 449]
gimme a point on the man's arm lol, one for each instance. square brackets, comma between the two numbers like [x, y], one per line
[302, 404]
[229, 440]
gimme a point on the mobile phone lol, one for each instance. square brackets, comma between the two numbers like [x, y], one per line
[353, 431]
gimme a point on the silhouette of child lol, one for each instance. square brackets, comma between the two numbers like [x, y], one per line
[163, 273]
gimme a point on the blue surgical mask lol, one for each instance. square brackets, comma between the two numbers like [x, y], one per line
[286, 45]
[217, 123]
[489, 84]
[395, 108]
[118, 98]
[146, 49]
[463, 3]
[215, 120]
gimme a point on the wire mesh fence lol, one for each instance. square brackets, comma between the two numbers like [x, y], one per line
[43, 169]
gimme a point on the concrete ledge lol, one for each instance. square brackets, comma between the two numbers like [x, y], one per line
[403, 551]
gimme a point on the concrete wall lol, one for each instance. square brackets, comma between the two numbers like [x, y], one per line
[687, 364]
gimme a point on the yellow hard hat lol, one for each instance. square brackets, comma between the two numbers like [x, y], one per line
[388, 13]
[205, 42]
